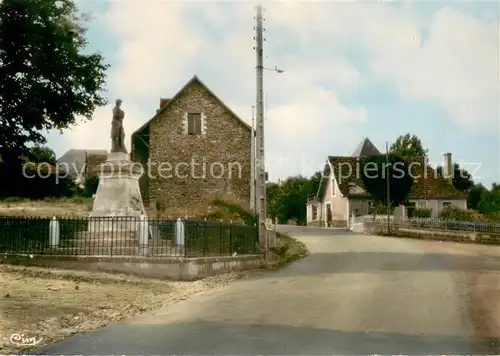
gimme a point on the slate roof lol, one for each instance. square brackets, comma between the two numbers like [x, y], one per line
[76, 159]
[366, 149]
[348, 174]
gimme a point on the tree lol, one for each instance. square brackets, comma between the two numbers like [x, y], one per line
[490, 202]
[287, 200]
[314, 182]
[475, 196]
[90, 186]
[272, 194]
[461, 180]
[41, 154]
[292, 204]
[375, 174]
[47, 78]
[408, 145]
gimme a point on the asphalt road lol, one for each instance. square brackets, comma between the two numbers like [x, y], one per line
[354, 294]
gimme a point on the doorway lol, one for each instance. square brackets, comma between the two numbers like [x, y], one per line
[329, 215]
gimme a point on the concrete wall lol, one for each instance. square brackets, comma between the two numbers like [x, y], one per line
[179, 269]
[317, 223]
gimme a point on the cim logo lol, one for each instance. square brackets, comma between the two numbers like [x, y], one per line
[23, 340]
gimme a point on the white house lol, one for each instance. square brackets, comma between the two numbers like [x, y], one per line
[341, 192]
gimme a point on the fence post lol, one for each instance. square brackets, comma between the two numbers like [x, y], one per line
[230, 237]
[179, 232]
[54, 232]
[143, 229]
[204, 240]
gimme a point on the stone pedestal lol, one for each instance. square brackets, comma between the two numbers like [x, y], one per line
[118, 202]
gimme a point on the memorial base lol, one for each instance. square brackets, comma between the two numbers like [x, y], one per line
[118, 195]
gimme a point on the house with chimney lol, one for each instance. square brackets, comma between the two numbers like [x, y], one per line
[193, 148]
[341, 193]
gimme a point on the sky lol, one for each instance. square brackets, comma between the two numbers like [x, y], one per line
[352, 69]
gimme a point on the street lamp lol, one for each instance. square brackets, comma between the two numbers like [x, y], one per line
[275, 69]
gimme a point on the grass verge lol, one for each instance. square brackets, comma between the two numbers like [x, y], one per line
[287, 250]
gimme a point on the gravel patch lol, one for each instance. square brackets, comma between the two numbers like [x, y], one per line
[50, 304]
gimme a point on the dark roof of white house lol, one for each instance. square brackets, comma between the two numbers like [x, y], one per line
[365, 149]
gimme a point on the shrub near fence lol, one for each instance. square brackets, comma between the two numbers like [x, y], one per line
[199, 238]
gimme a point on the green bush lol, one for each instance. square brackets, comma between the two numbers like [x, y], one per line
[13, 200]
[90, 187]
[235, 209]
[421, 213]
[494, 217]
[453, 213]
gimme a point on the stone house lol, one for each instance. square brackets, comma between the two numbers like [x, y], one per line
[193, 148]
[341, 192]
[81, 164]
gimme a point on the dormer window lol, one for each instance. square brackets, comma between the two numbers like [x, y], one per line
[194, 123]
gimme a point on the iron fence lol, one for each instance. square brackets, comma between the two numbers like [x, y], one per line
[435, 224]
[457, 225]
[126, 236]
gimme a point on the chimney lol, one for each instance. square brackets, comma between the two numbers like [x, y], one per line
[163, 102]
[447, 167]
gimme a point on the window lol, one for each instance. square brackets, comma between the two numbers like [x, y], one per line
[446, 204]
[314, 212]
[371, 207]
[194, 124]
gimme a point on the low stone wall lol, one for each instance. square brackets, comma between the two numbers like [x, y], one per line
[171, 268]
[317, 223]
[339, 223]
[432, 234]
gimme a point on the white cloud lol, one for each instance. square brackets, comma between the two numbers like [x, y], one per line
[456, 66]
[163, 44]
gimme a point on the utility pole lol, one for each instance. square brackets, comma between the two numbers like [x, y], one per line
[260, 158]
[387, 178]
[252, 173]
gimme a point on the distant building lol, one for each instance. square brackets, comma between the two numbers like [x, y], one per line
[80, 164]
[342, 193]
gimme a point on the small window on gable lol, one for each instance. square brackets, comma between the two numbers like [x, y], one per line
[194, 123]
[446, 204]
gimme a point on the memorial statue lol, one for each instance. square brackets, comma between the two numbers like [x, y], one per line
[117, 132]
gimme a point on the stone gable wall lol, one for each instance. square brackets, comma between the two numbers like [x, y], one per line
[194, 168]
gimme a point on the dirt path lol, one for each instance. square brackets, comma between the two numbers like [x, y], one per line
[49, 305]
